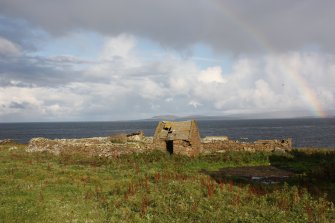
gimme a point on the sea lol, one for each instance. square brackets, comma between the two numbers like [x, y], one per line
[305, 132]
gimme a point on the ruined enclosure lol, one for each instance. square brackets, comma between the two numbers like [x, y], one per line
[178, 137]
[170, 137]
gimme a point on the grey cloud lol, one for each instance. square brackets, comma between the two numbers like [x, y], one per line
[19, 105]
[68, 60]
[21, 32]
[231, 25]
[8, 48]
[36, 71]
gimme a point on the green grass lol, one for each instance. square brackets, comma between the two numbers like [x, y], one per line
[151, 187]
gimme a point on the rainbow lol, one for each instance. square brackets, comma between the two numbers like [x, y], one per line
[306, 90]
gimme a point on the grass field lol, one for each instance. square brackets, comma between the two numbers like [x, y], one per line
[156, 187]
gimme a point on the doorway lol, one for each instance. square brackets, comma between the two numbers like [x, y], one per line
[169, 146]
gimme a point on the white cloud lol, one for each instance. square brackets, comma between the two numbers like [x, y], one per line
[194, 103]
[120, 46]
[123, 85]
[211, 74]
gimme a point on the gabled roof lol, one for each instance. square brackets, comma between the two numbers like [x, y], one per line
[175, 130]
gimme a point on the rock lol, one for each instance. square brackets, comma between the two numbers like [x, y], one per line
[7, 141]
[13, 148]
[212, 139]
[136, 136]
[248, 149]
[278, 150]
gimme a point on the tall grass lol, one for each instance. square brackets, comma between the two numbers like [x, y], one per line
[147, 187]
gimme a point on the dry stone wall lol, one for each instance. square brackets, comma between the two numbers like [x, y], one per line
[120, 144]
[259, 145]
[99, 146]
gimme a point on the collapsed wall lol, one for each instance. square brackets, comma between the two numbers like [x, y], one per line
[223, 144]
[112, 146]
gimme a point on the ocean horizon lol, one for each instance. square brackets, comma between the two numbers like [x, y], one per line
[305, 132]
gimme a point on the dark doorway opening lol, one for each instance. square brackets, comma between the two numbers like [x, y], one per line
[169, 146]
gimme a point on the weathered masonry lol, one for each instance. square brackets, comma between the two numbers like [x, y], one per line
[178, 137]
[172, 137]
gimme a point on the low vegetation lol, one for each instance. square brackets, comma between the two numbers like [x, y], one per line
[156, 187]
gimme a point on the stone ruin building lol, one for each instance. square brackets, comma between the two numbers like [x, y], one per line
[178, 137]
[172, 137]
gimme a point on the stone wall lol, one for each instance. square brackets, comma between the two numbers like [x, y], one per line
[98, 146]
[184, 147]
[195, 139]
[120, 144]
[259, 145]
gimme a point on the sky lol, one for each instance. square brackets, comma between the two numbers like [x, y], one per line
[108, 60]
